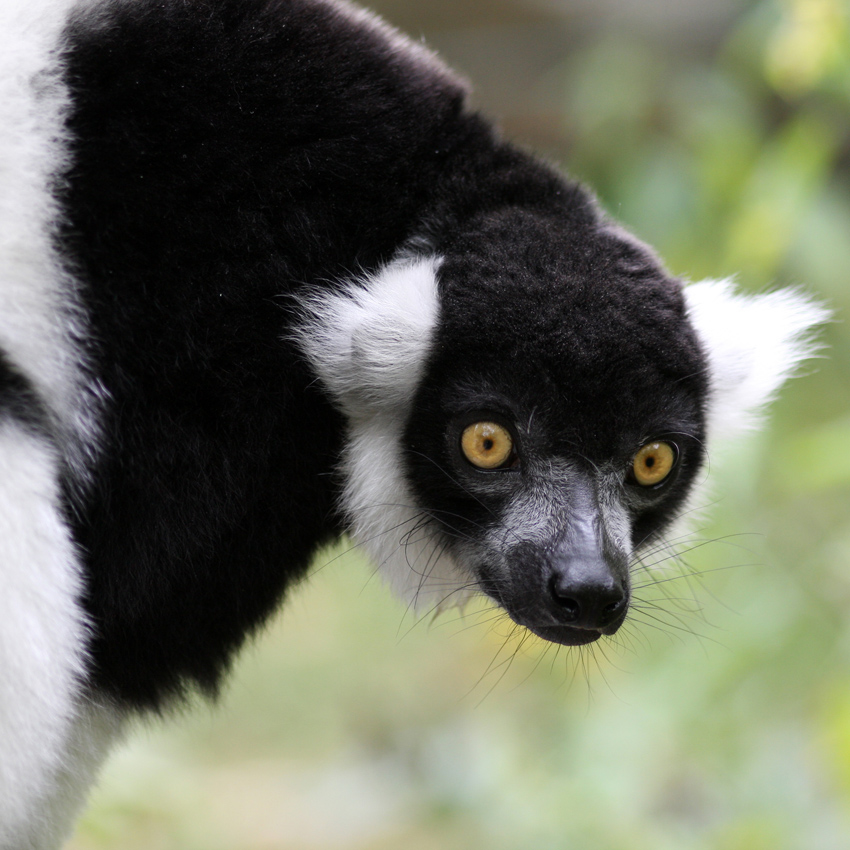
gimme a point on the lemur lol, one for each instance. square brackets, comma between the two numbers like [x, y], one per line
[266, 279]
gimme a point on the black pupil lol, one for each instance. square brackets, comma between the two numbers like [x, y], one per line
[650, 461]
[488, 444]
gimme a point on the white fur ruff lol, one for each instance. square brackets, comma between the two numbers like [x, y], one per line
[368, 342]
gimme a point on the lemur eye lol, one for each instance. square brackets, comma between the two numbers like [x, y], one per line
[487, 445]
[653, 463]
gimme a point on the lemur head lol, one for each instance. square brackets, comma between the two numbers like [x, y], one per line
[529, 410]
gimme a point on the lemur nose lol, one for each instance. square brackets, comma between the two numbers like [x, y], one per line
[588, 604]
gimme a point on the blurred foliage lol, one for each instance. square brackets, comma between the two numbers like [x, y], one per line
[720, 717]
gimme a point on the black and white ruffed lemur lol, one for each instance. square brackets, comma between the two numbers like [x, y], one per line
[265, 279]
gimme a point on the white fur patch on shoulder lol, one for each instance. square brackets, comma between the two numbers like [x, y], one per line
[42, 631]
[40, 315]
[753, 342]
[369, 343]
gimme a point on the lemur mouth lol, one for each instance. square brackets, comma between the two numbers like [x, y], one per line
[566, 635]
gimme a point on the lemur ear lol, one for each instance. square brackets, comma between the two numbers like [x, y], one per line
[368, 341]
[753, 344]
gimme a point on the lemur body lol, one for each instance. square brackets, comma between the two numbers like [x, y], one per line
[265, 278]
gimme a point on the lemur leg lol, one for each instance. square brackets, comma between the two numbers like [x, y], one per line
[49, 739]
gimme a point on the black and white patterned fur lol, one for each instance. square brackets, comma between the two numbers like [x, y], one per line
[259, 265]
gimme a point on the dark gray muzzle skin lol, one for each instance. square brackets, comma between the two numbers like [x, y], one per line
[574, 587]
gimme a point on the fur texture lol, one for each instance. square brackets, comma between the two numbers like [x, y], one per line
[261, 269]
[369, 345]
[754, 343]
[41, 631]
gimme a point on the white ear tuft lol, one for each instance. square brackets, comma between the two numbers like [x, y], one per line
[368, 341]
[753, 344]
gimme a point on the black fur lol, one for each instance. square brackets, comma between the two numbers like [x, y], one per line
[226, 154]
[558, 315]
[19, 401]
[219, 162]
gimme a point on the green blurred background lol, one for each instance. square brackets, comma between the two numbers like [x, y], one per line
[720, 133]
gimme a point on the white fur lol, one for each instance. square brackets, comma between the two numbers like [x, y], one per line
[42, 632]
[94, 732]
[40, 317]
[368, 342]
[753, 343]
[398, 536]
[45, 757]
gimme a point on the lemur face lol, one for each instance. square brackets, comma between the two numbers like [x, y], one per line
[528, 412]
[559, 423]
[547, 528]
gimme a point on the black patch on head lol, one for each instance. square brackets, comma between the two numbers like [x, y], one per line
[557, 318]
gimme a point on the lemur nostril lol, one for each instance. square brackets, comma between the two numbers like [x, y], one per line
[570, 607]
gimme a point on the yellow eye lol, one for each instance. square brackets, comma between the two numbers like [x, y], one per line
[486, 445]
[652, 464]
